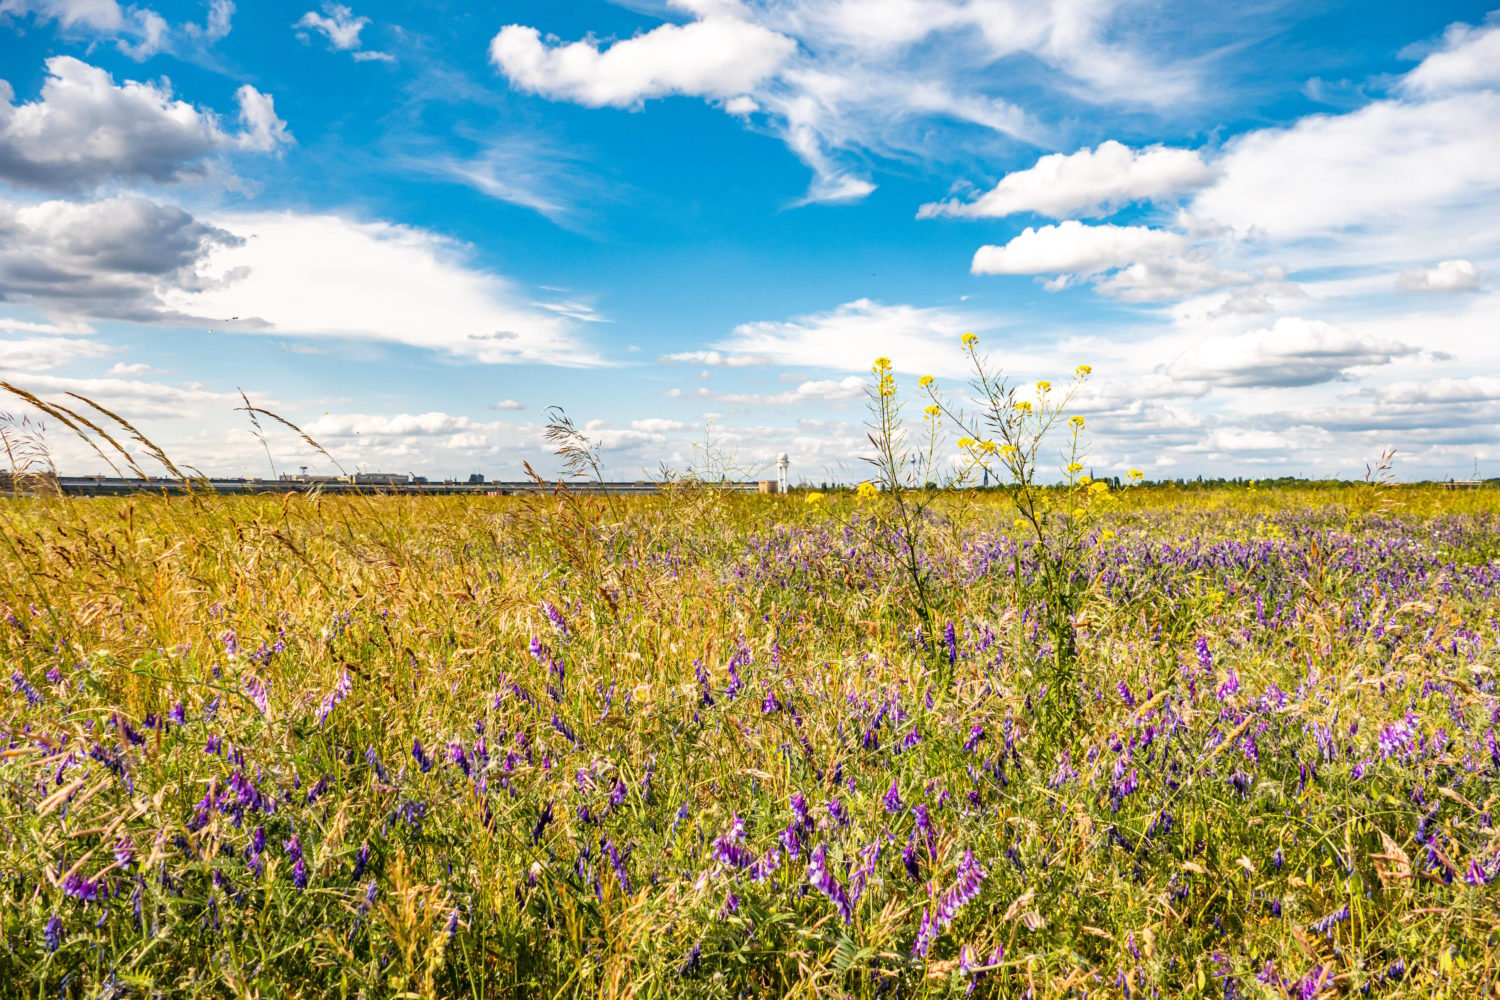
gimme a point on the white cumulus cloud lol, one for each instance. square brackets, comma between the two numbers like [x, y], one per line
[325, 275]
[1086, 183]
[85, 130]
[718, 56]
[1074, 248]
[1446, 276]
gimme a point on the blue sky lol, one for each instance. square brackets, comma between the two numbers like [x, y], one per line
[1272, 230]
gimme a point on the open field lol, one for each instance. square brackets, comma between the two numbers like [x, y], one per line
[696, 744]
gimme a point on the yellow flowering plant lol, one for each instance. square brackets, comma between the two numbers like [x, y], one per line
[906, 474]
[1002, 442]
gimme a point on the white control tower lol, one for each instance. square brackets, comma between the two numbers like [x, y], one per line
[783, 464]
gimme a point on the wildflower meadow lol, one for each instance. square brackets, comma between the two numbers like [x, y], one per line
[1054, 738]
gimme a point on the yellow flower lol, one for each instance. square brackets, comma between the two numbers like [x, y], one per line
[966, 442]
[970, 340]
[1076, 422]
[1107, 535]
[1074, 467]
[814, 498]
[1024, 406]
[924, 381]
[1044, 386]
[1018, 524]
[1009, 450]
[988, 447]
[1099, 486]
[866, 491]
[1084, 480]
[932, 411]
[1083, 371]
[887, 386]
[1136, 474]
[882, 364]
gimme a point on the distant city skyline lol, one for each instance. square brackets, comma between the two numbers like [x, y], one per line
[1273, 232]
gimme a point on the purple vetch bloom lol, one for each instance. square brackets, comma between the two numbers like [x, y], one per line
[340, 691]
[1205, 658]
[316, 791]
[373, 759]
[925, 828]
[1230, 686]
[361, 861]
[457, 755]
[299, 867]
[1125, 694]
[965, 889]
[564, 730]
[976, 733]
[556, 618]
[33, 696]
[892, 800]
[85, 890]
[766, 866]
[1063, 773]
[124, 852]
[420, 756]
[837, 811]
[178, 715]
[705, 689]
[542, 820]
[1310, 985]
[950, 639]
[800, 812]
[259, 693]
[52, 933]
[617, 862]
[909, 741]
[1326, 924]
[824, 881]
[412, 813]
[729, 848]
[1476, 875]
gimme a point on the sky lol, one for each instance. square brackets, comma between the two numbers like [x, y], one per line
[1271, 228]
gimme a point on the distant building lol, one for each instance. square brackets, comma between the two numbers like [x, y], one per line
[381, 479]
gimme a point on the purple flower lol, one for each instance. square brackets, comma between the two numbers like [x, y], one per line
[259, 694]
[456, 755]
[33, 697]
[1125, 694]
[1205, 658]
[1327, 924]
[950, 639]
[800, 812]
[729, 848]
[361, 861]
[1230, 686]
[892, 800]
[340, 691]
[53, 933]
[420, 755]
[976, 733]
[825, 882]
[965, 889]
[299, 867]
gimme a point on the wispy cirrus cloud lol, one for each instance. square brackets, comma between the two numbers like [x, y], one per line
[836, 80]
